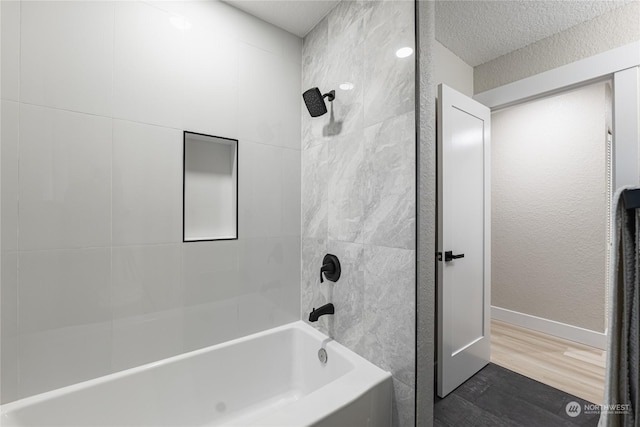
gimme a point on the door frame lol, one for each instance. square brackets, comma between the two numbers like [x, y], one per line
[622, 67]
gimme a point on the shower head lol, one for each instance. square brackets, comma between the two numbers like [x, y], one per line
[314, 101]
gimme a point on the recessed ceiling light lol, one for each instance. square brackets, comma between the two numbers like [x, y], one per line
[404, 52]
[346, 86]
[180, 22]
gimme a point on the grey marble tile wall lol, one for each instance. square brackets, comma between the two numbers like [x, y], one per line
[358, 186]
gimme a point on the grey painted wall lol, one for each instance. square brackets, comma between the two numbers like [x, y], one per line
[616, 28]
[358, 187]
[548, 196]
[451, 70]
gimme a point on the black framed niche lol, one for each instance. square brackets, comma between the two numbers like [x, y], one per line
[209, 188]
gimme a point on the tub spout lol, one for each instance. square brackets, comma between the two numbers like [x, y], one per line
[325, 309]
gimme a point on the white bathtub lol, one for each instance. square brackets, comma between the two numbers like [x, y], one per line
[272, 378]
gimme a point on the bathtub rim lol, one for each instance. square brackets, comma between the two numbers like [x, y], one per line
[354, 382]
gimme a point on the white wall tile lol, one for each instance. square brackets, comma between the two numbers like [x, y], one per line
[9, 328]
[67, 55]
[271, 278]
[291, 192]
[257, 312]
[60, 357]
[147, 184]
[64, 179]
[211, 271]
[260, 34]
[212, 16]
[63, 288]
[291, 48]
[10, 50]
[174, 7]
[289, 90]
[101, 293]
[146, 279]
[210, 323]
[263, 264]
[9, 157]
[64, 318]
[9, 365]
[266, 106]
[266, 36]
[260, 189]
[210, 93]
[146, 338]
[9, 295]
[290, 300]
[258, 98]
[148, 65]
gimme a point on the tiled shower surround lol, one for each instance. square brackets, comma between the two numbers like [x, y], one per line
[358, 186]
[95, 96]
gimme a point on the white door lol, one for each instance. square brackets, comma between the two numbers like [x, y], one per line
[464, 241]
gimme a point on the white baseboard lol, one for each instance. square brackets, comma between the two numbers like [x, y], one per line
[551, 327]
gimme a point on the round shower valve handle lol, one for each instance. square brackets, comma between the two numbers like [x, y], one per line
[330, 268]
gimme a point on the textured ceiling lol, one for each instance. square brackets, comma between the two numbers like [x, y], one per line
[297, 16]
[476, 30]
[479, 31]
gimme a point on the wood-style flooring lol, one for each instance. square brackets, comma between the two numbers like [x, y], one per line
[497, 397]
[568, 366]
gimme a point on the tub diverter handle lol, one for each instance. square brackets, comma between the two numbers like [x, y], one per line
[330, 268]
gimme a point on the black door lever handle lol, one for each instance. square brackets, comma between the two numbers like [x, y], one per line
[449, 256]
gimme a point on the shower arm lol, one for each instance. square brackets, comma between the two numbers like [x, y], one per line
[331, 95]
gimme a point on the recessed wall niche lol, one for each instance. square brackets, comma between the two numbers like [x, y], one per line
[210, 188]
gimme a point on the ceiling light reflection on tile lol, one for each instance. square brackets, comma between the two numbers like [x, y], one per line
[346, 86]
[404, 52]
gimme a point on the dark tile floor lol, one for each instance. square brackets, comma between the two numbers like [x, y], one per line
[496, 397]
